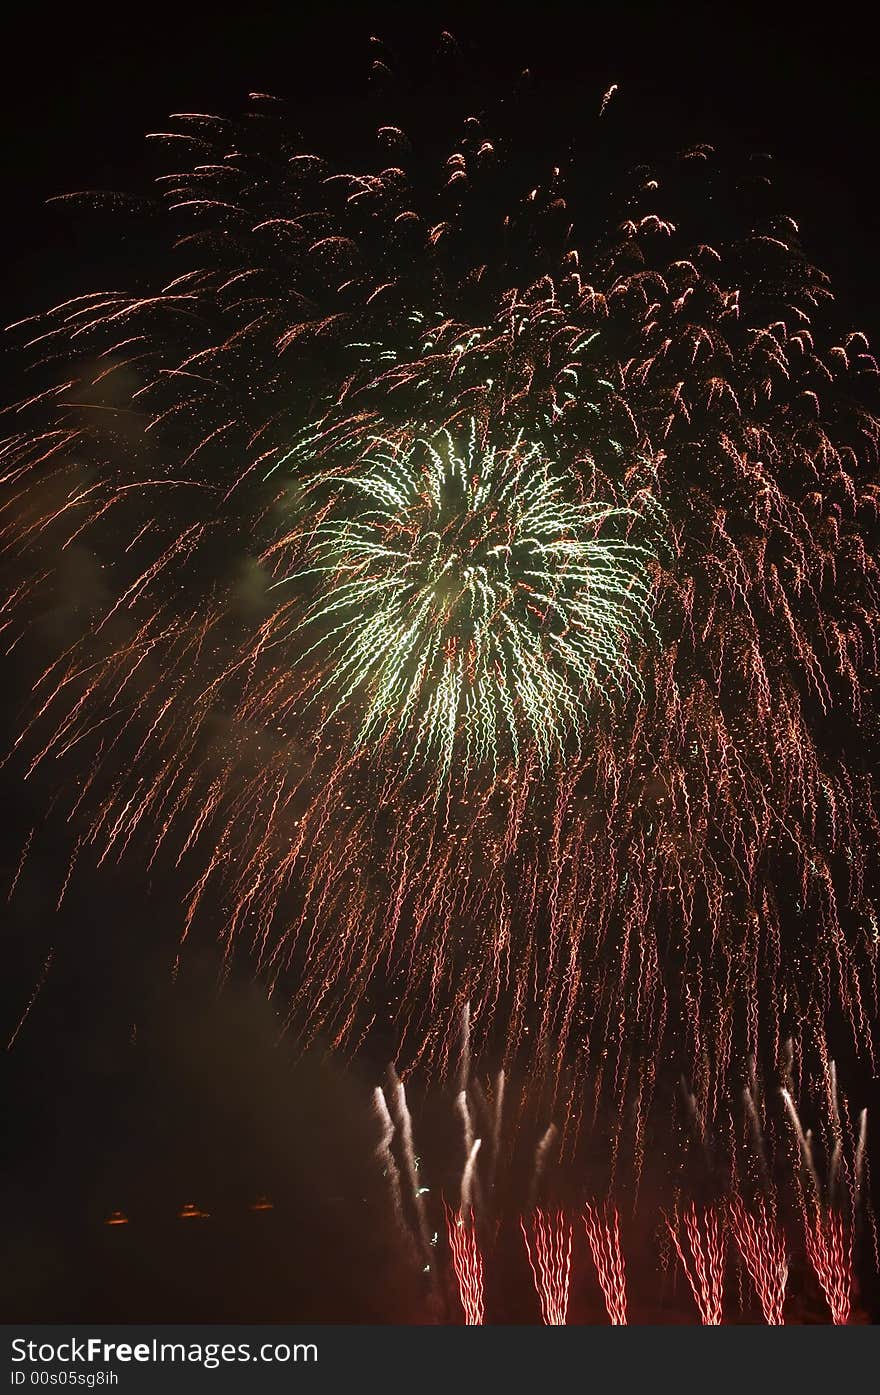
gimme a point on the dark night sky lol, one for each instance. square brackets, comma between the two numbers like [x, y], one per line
[216, 1111]
[795, 80]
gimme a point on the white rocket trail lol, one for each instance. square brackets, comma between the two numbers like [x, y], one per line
[541, 1159]
[404, 1119]
[467, 1177]
[464, 1060]
[805, 1144]
[384, 1152]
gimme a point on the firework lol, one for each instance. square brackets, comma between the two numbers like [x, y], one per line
[384, 1153]
[762, 1246]
[699, 1244]
[646, 695]
[603, 1236]
[467, 1263]
[473, 603]
[547, 1240]
[829, 1249]
[491, 1200]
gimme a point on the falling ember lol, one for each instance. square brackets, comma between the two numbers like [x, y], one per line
[603, 1234]
[549, 1252]
[829, 1249]
[467, 1263]
[699, 1244]
[762, 1245]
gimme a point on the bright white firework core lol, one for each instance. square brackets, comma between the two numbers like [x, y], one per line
[472, 601]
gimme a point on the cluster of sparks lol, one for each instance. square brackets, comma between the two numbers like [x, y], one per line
[548, 1245]
[699, 1241]
[698, 1238]
[603, 1236]
[699, 1233]
[471, 603]
[372, 467]
[829, 1248]
[762, 1245]
[467, 1263]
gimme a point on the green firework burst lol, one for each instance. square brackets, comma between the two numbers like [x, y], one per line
[472, 602]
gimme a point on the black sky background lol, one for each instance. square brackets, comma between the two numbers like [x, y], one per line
[124, 1090]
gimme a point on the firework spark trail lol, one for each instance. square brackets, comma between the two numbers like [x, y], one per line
[464, 1112]
[860, 1161]
[844, 1149]
[698, 1234]
[756, 1124]
[804, 1145]
[603, 1234]
[20, 868]
[836, 1164]
[384, 1153]
[467, 1263]
[862, 1187]
[828, 1233]
[412, 1168]
[549, 1254]
[700, 387]
[699, 1244]
[469, 1175]
[762, 1246]
[497, 1120]
[38, 986]
[607, 98]
[542, 1153]
[464, 1062]
[829, 1250]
